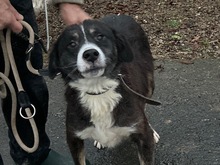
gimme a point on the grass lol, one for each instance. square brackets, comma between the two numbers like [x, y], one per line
[173, 23]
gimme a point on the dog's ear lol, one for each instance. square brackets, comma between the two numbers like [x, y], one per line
[54, 61]
[125, 53]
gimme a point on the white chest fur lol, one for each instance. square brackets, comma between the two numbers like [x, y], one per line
[101, 108]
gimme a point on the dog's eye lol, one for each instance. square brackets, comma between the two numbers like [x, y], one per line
[100, 37]
[72, 44]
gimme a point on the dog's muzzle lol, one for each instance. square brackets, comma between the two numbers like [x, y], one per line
[91, 61]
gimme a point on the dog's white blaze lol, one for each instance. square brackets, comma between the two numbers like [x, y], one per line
[84, 34]
[101, 107]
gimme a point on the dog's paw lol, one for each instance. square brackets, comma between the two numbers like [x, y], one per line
[156, 136]
[98, 145]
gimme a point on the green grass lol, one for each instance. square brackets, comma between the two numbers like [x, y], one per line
[173, 23]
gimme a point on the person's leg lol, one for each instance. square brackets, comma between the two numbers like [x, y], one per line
[1, 161]
[36, 89]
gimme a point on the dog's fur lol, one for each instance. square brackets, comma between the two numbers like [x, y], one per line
[99, 106]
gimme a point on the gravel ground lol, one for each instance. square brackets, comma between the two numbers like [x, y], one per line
[180, 30]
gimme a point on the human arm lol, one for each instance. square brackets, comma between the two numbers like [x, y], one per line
[71, 11]
[9, 17]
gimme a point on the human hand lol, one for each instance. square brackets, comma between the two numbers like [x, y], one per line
[9, 17]
[72, 13]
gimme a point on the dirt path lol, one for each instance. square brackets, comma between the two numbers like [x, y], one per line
[182, 30]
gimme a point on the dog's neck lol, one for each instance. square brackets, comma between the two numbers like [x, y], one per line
[94, 86]
[100, 106]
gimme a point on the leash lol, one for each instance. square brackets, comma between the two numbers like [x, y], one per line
[23, 98]
[47, 24]
[148, 100]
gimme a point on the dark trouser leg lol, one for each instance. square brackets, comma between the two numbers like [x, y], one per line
[35, 87]
[1, 161]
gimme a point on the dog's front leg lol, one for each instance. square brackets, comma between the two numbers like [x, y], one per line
[76, 146]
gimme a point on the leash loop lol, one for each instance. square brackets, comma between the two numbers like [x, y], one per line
[32, 39]
[22, 96]
[30, 48]
[29, 115]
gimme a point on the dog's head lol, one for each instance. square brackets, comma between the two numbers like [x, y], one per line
[89, 50]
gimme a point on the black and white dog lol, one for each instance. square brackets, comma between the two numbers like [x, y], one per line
[90, 57]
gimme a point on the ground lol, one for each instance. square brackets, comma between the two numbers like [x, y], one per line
[181, 30]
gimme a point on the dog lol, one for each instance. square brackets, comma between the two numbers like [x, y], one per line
[102, 63]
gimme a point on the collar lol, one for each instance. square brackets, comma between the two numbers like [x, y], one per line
[100, 93]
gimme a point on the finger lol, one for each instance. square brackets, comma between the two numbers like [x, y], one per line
[72, 14]
[17, 15]
[16, 26]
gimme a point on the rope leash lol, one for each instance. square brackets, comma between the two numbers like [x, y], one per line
[47, 25]
[148, 100]
[22, 96]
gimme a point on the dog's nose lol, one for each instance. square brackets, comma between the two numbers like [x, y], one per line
[91, 55]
